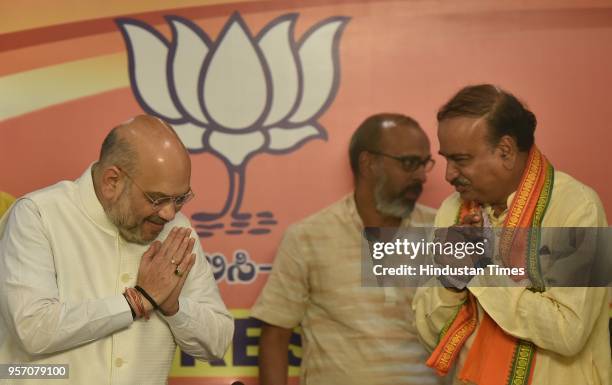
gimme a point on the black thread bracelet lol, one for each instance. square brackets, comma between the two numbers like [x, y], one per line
[147, 296]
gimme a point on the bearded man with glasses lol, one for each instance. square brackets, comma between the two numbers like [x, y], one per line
[352, 334]
[104, 274]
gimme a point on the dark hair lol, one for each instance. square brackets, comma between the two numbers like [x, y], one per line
[503, 112]
[118, 151]
[367, 136]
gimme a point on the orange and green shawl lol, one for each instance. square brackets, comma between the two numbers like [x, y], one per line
[495, 357]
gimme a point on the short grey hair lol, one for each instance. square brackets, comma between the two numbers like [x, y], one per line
[367, 136]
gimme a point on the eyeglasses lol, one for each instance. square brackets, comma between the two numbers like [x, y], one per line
[410, 163]
[158, 203]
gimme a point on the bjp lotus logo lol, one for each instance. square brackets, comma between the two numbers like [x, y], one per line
[239, 95]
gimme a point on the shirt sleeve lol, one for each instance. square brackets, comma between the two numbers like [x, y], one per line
[202, 327]
[434, 307]
[29, 297]
[283, 300]
[560, 319]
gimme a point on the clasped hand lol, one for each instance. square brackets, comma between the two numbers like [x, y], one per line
[164, 267]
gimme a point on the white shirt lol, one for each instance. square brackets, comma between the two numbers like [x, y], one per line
[63, 267]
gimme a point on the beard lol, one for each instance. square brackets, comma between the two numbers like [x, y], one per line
[398, 206]
[121, 215]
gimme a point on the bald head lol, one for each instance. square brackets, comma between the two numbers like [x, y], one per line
[372, 131]
[143, 141]
[142, 161]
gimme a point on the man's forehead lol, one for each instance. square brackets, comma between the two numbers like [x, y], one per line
[404, 139]
[461, 134]
[165, 180]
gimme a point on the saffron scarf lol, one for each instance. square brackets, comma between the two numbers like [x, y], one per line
[495, 357]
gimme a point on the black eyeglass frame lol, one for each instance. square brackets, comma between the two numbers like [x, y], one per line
[178, 201]
[410, 163]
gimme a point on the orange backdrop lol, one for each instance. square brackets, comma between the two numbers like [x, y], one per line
[64, 82]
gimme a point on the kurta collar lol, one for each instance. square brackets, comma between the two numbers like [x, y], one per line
[498, 221]
[92, 206]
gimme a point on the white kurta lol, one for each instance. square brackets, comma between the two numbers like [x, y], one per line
[63, 267]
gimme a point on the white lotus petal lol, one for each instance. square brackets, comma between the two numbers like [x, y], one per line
[317, 58]
[235, 86]
[284, 139]
[236, 147]
[191, 135]
[189, 56]
[149, 56]
[276, 47]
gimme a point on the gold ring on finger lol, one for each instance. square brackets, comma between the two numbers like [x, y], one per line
[178, 272]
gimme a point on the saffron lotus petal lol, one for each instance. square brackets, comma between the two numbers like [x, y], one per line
[284, 139]
[318, 54]
[278, 49]
[190, 48]
[235, 84]
[147, 54]
[191, 135]
[236, 148]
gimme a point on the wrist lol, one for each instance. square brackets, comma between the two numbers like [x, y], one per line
[147, 305]
[130, 305]
[170, 310]
[148, 299]
[137, 304]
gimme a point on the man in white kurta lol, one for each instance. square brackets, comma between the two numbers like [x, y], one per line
[63, 268]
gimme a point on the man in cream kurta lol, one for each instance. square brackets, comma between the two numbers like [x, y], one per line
[63, 268]
[568, 325]
[351, 334]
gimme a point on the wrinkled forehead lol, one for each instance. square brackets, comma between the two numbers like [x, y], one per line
[462, 135]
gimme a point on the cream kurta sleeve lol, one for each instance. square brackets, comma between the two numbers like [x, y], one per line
[29, 295]
[284, 298]
[434, 307]
[560, 319]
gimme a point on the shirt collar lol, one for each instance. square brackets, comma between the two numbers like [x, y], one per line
[499, 219]
[92, 206]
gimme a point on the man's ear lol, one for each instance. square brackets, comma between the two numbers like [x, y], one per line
[508, 151]
[111, 183]
[366, 164]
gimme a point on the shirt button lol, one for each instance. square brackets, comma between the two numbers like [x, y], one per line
[118, 362]
[125, 278]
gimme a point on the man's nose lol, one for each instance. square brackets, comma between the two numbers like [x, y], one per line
[168, 211]
[451, 172]
[420, 174]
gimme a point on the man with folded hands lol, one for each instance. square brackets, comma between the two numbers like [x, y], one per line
[104, 273]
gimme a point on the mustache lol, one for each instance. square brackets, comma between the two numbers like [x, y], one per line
[156, 219]
[460, 181]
